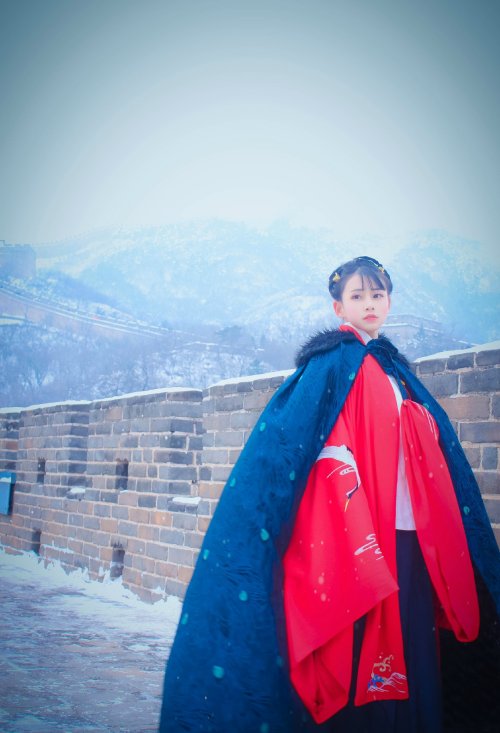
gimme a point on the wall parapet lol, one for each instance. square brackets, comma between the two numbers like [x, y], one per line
[128, 485]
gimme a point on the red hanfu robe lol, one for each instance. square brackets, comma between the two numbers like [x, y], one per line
[341, 560]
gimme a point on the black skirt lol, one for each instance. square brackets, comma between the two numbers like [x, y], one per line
[422, 711]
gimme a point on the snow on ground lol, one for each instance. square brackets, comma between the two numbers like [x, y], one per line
[101, 600]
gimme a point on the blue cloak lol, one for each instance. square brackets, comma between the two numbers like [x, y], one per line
[227, 671]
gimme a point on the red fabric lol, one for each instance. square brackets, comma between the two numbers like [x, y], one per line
[341, 561]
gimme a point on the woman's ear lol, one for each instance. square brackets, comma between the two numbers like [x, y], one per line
[337, 307]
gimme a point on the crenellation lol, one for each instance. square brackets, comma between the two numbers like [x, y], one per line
[129, 484]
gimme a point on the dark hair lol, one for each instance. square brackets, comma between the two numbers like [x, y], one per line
[367, 267]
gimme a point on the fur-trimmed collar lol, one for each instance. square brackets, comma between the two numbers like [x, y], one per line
[329, 338]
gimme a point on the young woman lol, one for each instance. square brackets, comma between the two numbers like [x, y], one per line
[337, 550]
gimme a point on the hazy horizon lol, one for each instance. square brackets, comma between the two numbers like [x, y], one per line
[366, 119]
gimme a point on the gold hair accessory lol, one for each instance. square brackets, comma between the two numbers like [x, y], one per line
[336, 278]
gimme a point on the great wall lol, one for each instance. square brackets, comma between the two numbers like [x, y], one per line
[127, 486]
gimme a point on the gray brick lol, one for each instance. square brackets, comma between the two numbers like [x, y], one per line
[193, 539]
[184, 521]
[441, 385]
[171, 536]
[495, 406]
[211, 455]
[127, 528]
[488, 482]
[159, 552]
[229, 404]
[243, 420]
[480, 432]
[460, 361]
[490, 458]
[178, 473]
[485, 358]
[431, 366]
[175, 588]
[181, 556]
[484, 380]
[146, 501]
[493, 508]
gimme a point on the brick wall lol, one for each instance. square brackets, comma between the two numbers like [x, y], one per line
[467, 385]
[130, 483]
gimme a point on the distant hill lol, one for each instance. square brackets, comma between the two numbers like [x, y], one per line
[116, 311]
[273, 282]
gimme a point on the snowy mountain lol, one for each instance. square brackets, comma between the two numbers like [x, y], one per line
[117, 311]
[273, 282]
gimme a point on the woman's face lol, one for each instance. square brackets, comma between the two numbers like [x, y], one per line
[363, 304]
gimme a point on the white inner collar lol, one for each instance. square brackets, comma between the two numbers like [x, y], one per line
[365, 336]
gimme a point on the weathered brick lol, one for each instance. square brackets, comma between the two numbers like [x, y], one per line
[179, 425]
[209, 490]
[171, 536]
[90, 550]
[184, 521]
[156, 551]
[492, 505]
[169, 488]
[460, 361]
[146, 501]
[257, 400]
[108, 525]
[243, 420]
[139, 515]
[431, 366]
[487, 357]
[215, 455]
[229, 403]
[215, 423]
[178, 473]
[193, 539]
[467, 406]
[484, 380]
[185, 574]
[175, 588]
[221, 473]
[148, 532]
[495, 406]
[120, 512]
[112, 414]
[480, 432]
[229, 438]
[127, 528]
[173, 456]
[181, 555]
[166, 569]
[135, 547]
[488, 482]
[161, 518]
[490, 458]
[102, 510]
[441, 385]
[473, 455]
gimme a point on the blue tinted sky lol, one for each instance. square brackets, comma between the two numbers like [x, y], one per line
[364, 116]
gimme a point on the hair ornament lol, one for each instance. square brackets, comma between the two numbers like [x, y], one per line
[347, 268]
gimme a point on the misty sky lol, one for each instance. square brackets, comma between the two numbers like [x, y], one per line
[364, 116]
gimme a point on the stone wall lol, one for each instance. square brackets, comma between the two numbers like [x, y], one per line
[127, 486]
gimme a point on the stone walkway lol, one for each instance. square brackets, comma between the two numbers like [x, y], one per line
[74, 663]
